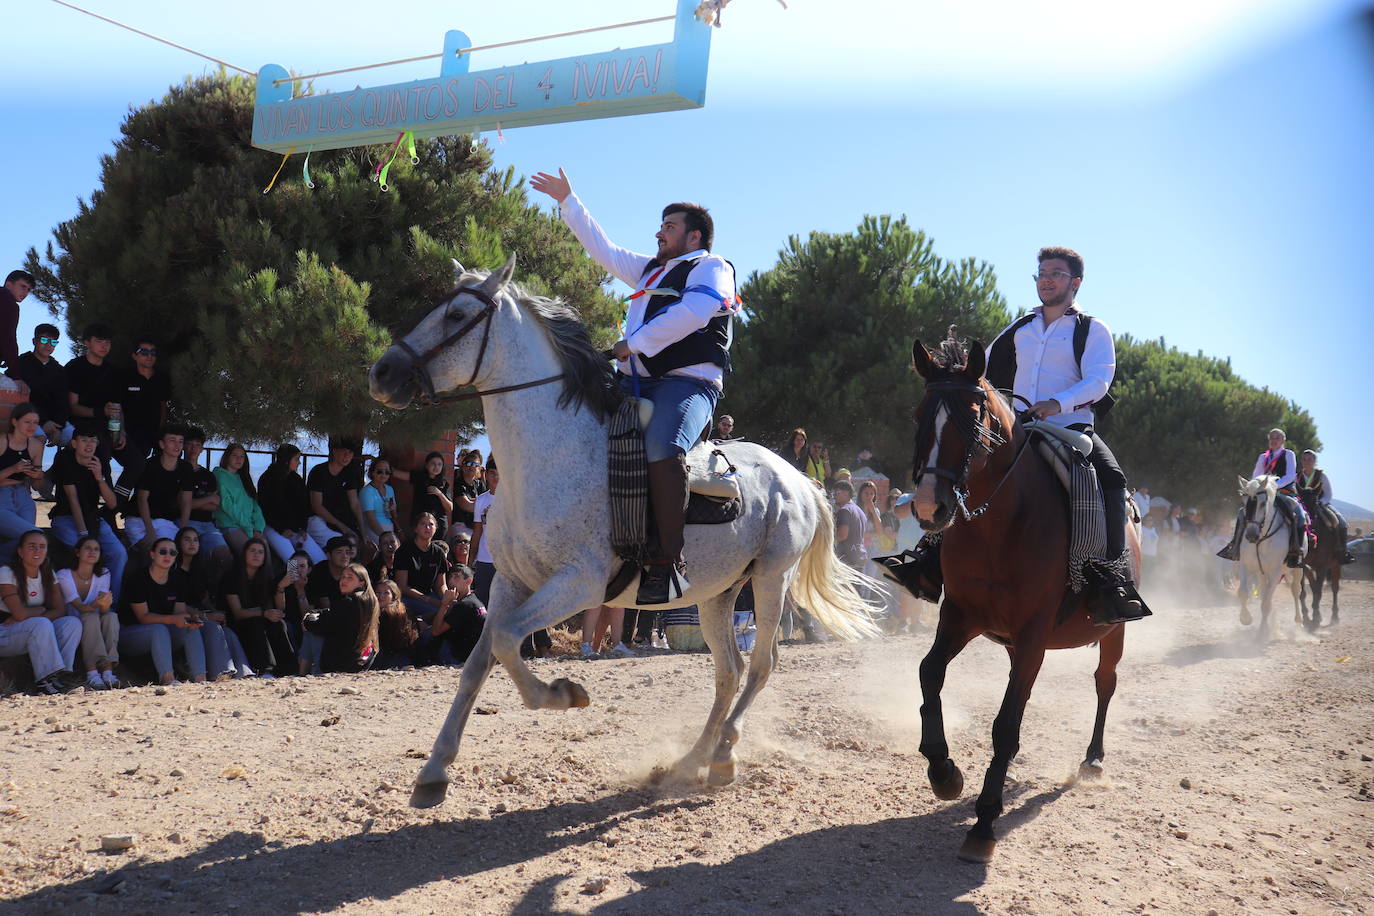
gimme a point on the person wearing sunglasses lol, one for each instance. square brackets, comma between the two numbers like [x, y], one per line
[154, 619]
[144, 392]
[47, 382]
[378, 501]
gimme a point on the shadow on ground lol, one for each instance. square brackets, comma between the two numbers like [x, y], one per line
[901, 864]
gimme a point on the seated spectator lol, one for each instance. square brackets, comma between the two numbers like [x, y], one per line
[224, 653]
[794, 450]
[33, 616]
[349, 625]
[257, 611]
[21, 466]
[459, 547]
[144, 393]
[153, 617]
[460, 618]
[17, 286]
[286, 506]
[93, 391]
[378, 501]
[297, 607]
[205, 502]
[396, 631]
[431, 494]
[163, 494]
[467, 486]
[47, 381]
[334, 493]
[383, 565]
[322, 585]
[81, 481]
[420, 567]
[238, 517]
[86, 589]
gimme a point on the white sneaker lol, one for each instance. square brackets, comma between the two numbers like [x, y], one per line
[588, 651]
[622, 651]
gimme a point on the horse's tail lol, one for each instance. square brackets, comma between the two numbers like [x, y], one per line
[829, 590]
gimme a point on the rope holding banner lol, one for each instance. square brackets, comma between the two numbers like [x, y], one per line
[285, 156]
[305, 172]
[410, 146]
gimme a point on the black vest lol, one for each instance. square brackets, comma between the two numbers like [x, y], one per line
[710, 344]
[1001, 369]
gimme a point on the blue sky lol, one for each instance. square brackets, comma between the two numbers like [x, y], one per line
[1209, 158]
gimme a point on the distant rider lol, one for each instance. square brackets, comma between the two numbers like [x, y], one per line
[1314, 489]
[1278, 462]
[675, 350]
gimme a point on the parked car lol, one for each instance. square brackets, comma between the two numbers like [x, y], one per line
[1363, 567]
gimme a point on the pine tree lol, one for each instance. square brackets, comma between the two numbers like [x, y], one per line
[269, 308]
[826, 341]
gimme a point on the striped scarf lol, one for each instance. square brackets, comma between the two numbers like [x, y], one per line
[1088, 527]
[628, 477]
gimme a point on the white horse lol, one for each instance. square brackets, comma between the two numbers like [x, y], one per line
[1262, 554]
[546, 395]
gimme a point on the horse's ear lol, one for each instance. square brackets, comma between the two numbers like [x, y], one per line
[977, 361]
[498, 280]
[1243, 484]
[458, 271]
[920, 359]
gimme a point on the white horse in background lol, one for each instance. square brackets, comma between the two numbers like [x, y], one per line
[546, 395]
[1263, 551]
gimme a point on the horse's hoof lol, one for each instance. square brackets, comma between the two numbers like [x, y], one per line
[720, 774]
[978, 850]
[1090, 771]
[576, 696]
[428, 794]
[1246, 619]
[950, 786]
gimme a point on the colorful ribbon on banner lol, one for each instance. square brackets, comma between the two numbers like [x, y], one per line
[383, 170]
[287, 155]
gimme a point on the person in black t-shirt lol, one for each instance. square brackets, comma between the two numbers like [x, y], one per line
[257, 610]
[204, 502]
[420, 565]
[460, 617]
[349, 625]
[322, 585]
[334, 487]
[163, 494]
[143, 391]
[93, 393]
[431, 493]
[153, 618]
[467, 486]
[80, 481]
[286, 506]
[47, 381]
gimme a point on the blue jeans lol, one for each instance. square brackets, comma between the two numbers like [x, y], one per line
[17, 512]
[112, 549]
[223, 652]
[683, 408]
[160, 640]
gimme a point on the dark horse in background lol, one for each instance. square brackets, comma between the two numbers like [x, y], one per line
[1322, 566]
[1005, 568]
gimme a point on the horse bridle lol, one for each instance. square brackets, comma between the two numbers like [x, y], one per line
[419, 362]
[983, 436]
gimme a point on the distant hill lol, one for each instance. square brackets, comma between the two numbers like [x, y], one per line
[1352, 511]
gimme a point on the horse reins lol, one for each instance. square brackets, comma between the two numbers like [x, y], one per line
[981, 436]
[419, 362]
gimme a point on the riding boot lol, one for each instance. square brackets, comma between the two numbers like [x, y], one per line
[1114, 507]
[1297, 531]
[918, 569]
[1342, 538]
[1117, 599]
[665, 579]
[1232, 550]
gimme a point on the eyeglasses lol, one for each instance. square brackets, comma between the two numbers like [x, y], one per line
[50, 341]
[166, 552]
[1051, 275]
[146, 351]
[471, 464]
[381, 472]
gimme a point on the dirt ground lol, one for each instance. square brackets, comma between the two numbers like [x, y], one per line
[1239, 780]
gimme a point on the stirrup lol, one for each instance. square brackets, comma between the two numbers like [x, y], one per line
[1119, 602]
[1293, 560]
[1230, 552]
[660, 583]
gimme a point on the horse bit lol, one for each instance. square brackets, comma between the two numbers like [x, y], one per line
[419, 362]
[982, 436]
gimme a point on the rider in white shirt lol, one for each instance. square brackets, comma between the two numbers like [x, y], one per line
[675, 353]
[1280, 463]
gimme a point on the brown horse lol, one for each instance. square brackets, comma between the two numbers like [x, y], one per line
[1322, 566]
[1005, 568]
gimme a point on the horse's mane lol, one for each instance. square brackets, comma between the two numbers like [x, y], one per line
[951, 356]
[1262, 482]
[587, 375]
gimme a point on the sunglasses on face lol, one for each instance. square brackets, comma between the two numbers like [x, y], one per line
[166, 552]
[146, 351]
[381, 472]
[50, 341]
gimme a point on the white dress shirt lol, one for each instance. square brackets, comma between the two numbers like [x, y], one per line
[1046, 368]
[1290, 467]
[698, 306]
